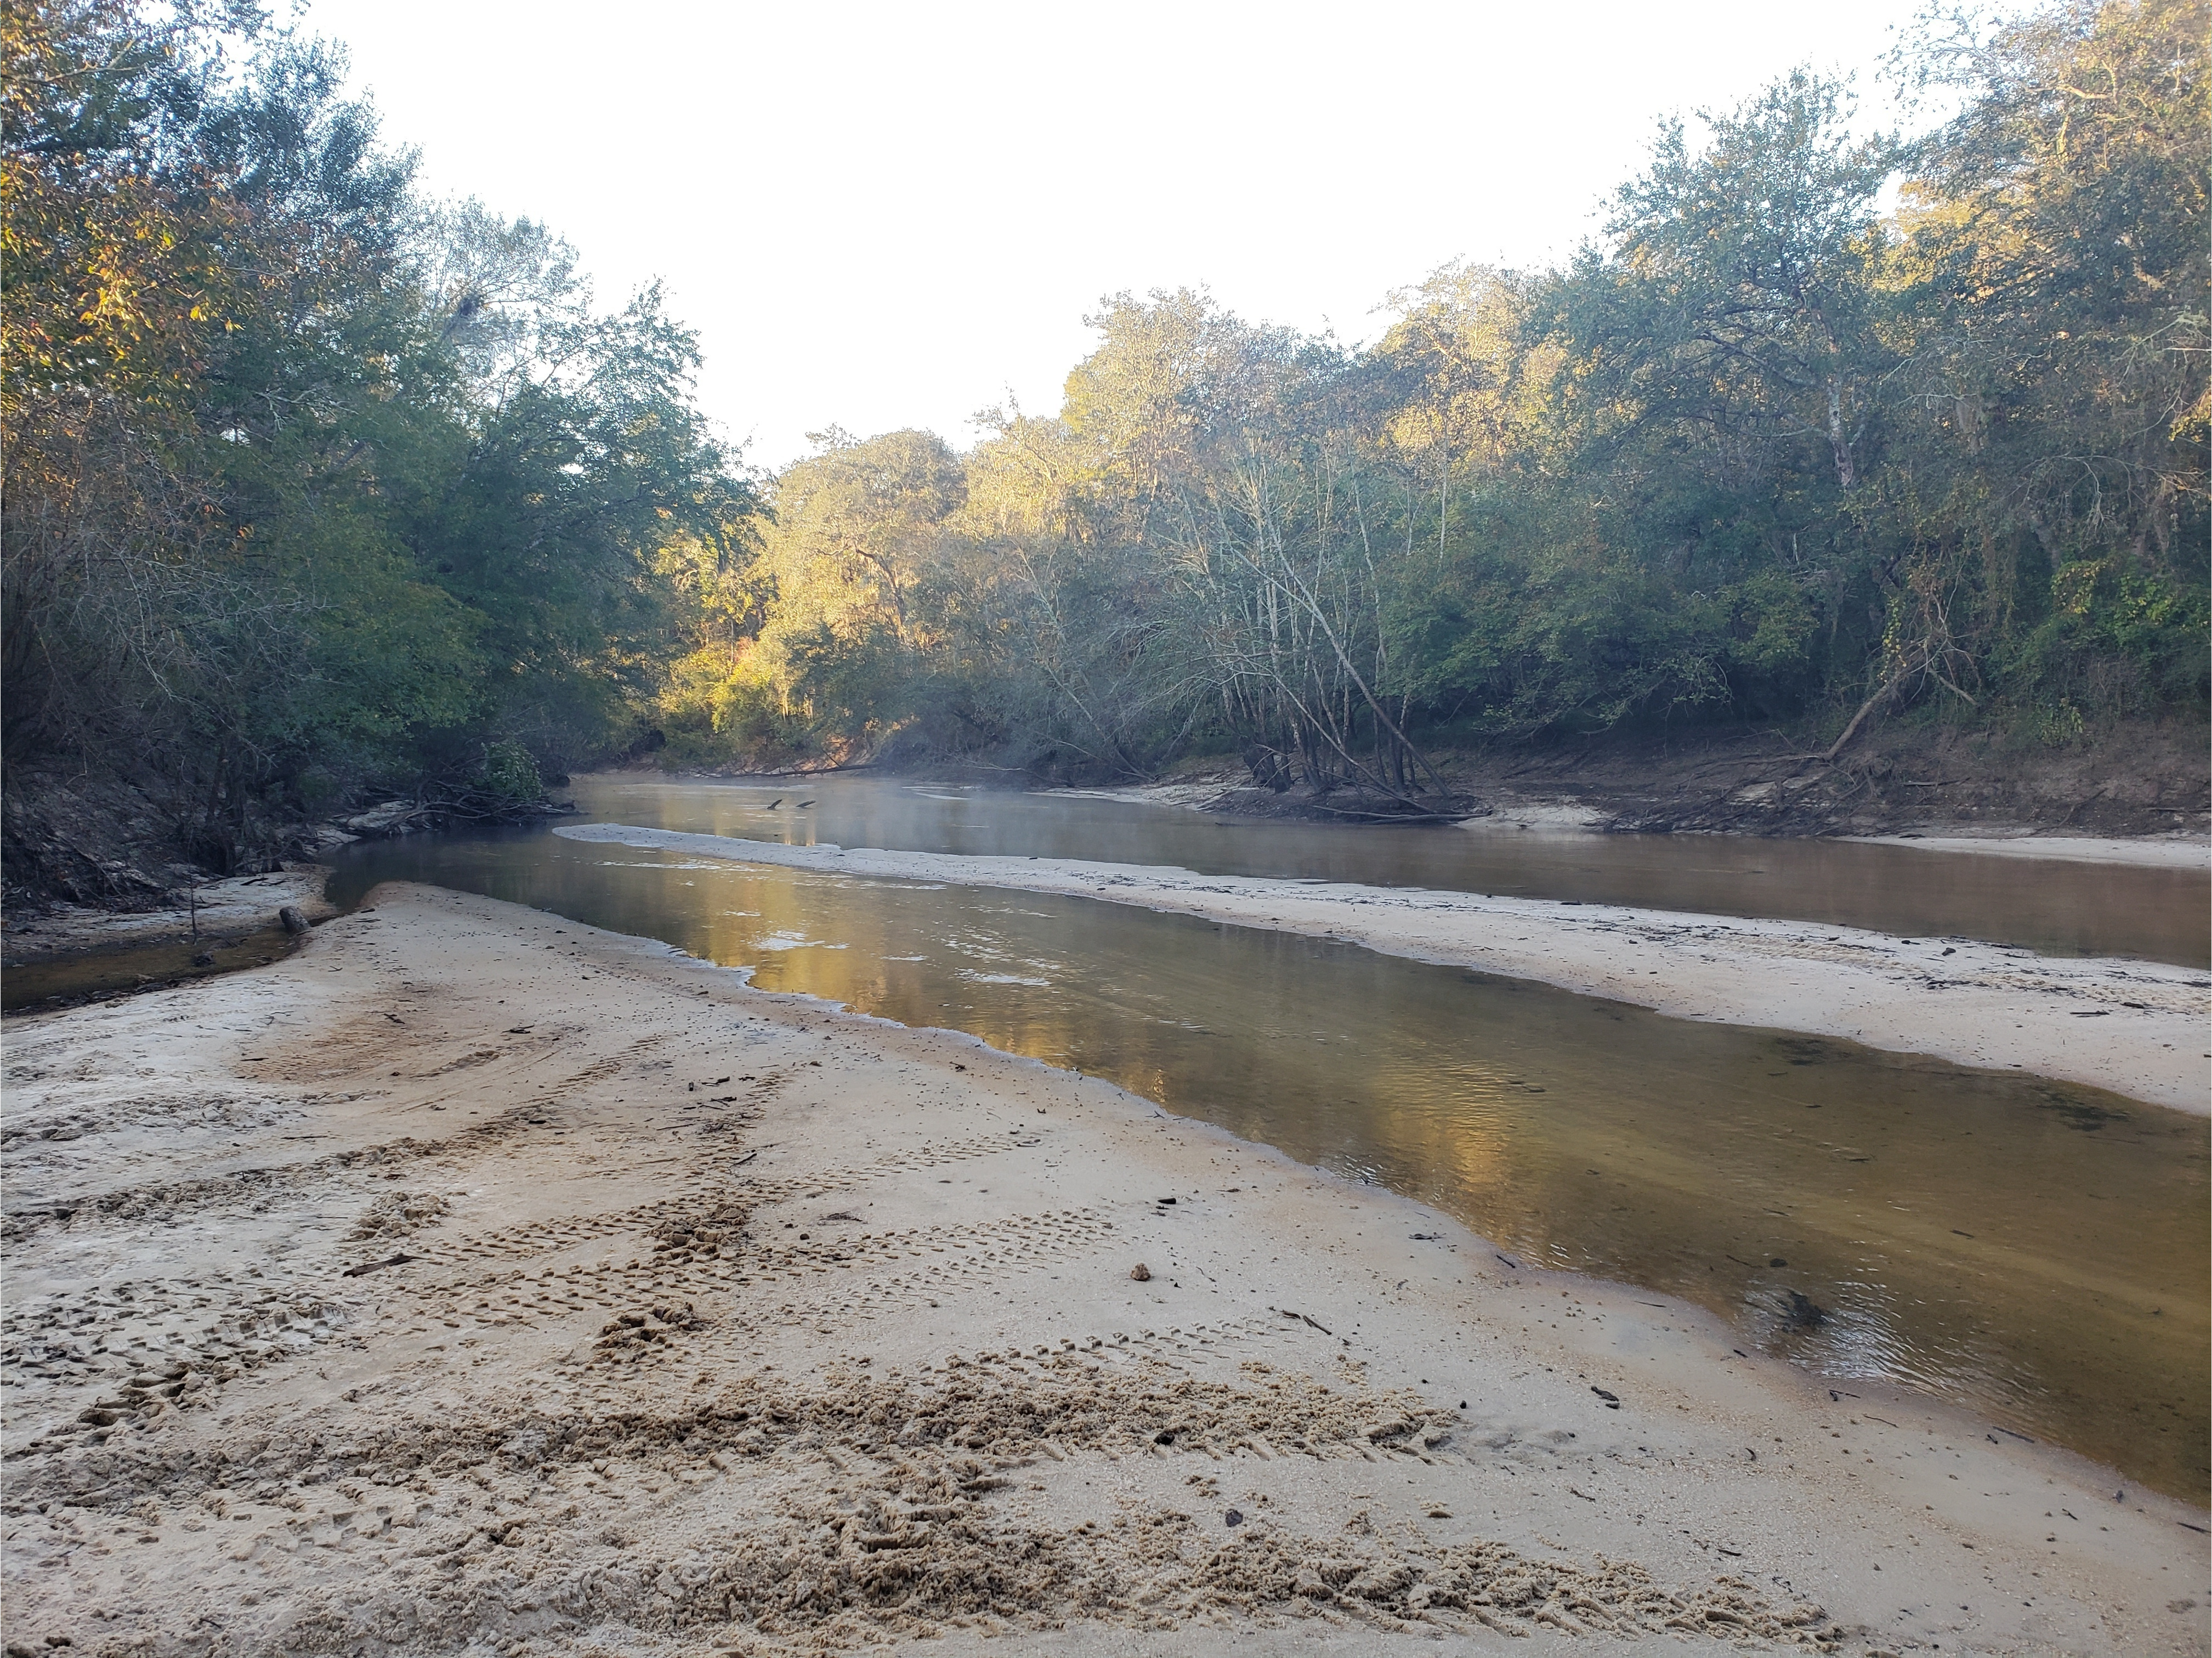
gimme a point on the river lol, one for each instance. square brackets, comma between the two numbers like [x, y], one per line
[2158, 914]
[2034, 1251]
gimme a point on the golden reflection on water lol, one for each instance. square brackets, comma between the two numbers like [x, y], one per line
[2035, 1251]
[134, 966]
[2062, 909]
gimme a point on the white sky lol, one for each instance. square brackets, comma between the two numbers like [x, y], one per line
[895, 215]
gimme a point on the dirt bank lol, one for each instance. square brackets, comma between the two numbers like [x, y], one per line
[2136, 1027]
[476, 1277]
[2136, 778]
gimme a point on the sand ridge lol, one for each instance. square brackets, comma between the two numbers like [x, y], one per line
[2183, 851]
[2136, 1027]
[475, 1280]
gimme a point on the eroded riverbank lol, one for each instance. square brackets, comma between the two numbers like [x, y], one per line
[723, 1314]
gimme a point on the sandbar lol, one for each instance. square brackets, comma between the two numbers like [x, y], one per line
[475, 1279]
[2162, 852]
[2136, 1027]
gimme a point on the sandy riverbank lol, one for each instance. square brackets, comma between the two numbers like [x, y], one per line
[2150, 852]
[476, 1280]
[2137, 1028]
[63, 954]
[2129, 792]
[233, 907]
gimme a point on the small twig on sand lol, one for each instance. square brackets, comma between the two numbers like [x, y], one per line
[372, 1266]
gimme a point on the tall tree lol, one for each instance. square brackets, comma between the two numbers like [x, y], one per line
[307, 485]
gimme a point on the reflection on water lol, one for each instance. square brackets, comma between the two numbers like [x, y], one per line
[167, 961]
[2058, 908]
[2035, 1250]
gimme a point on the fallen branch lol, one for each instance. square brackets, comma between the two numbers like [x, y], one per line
[1867, 708]
[372, 1266]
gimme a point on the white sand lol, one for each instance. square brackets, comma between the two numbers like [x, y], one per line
[733, 1323]
[2137, 1028]
[2183, 852]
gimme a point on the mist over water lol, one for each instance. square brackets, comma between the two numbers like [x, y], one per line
[2031, 1249]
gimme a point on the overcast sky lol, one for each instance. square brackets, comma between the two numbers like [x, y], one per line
[895, 215]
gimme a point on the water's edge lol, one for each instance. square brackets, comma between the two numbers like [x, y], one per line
[1923, 1226]
[1995, 1009]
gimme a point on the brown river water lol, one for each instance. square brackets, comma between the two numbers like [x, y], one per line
[2055, 907]
[2034, 1252]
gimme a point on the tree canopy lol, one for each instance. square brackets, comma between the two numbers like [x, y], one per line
[313, 485]
[309, 483]
[1827, 425]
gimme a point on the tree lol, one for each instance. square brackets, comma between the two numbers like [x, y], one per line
[308, 485]
[2055, 269]
[1738, 290]
[1762, 451]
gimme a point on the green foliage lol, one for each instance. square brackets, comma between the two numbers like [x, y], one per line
[1764, 451]
[510, 776]
[306, 478]
[309, 481]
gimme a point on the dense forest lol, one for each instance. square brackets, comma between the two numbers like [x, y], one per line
[1775, 449]
[315, 487]
[311, 484]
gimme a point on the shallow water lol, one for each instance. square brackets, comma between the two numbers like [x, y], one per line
[92, 974]
[2056, 907]
[2031, 1250]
